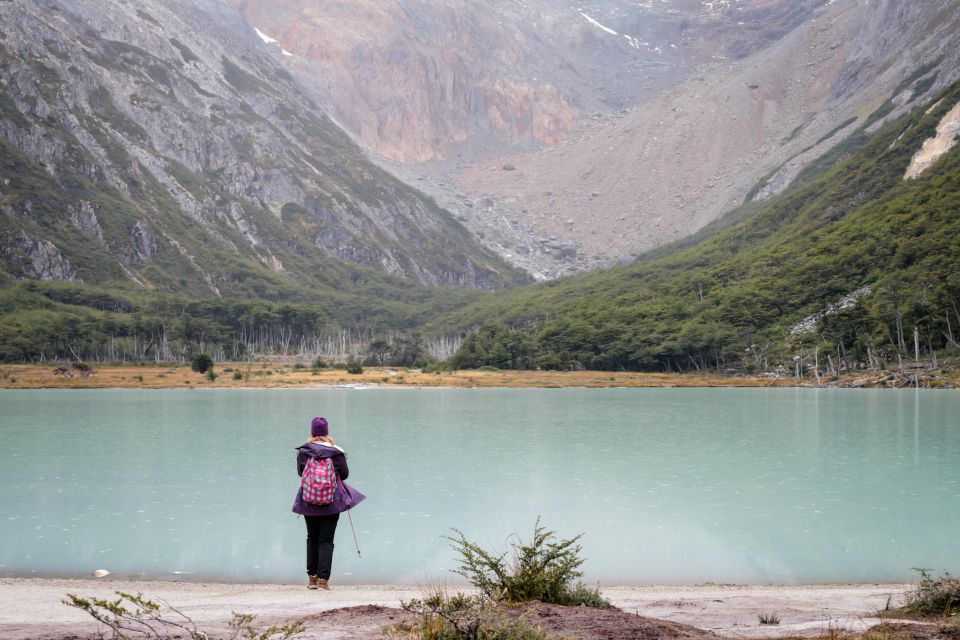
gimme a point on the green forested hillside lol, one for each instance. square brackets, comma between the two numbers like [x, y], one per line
[727, 298]
[53, 320]
[732, 298]
[165, 181]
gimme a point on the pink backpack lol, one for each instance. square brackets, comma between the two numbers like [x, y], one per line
[319, 481]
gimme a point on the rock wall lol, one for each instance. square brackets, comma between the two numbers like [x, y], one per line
[429, 80]
[162, 142]
[628, 182]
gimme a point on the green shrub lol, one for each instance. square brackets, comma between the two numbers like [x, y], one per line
[439, 616]
[549, 362]
[460, 617]
[237, 375]
[934, 596]
[135, 616]
[319, 363]
[544, 569]
[513, 629]
[212, 375]
[201, 363]
[581, 594]
[354, 367]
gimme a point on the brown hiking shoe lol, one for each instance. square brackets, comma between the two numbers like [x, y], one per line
[314, 580]
[322, 584]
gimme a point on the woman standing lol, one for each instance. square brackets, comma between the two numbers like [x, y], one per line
[322, 515]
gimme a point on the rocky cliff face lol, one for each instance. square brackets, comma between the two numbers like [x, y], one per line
[427, 80]
[626, 182]
[162, 143]
[572, 135]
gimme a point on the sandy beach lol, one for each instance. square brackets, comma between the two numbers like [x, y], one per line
[32, 608]
[272, 375]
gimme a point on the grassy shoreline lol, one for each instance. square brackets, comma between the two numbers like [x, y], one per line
[273, 375]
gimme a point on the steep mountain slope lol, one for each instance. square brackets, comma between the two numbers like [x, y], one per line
[427, 79]
[633, 181]
[575, 135]
[161, 145]
[851, 265]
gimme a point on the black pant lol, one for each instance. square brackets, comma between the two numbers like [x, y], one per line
[320, 530]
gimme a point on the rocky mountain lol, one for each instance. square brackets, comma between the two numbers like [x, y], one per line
[161, 144]
[197, 146]
[427, 80]
[735, 130]
[573, 135]
[856, 266]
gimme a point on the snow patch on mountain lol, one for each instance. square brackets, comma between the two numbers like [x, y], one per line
[272, 41]
[598, 25]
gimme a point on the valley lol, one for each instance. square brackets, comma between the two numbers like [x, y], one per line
[235, 177]
[637, 124]
[677, 282]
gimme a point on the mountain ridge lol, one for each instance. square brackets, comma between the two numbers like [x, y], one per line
[165, 146]
[675, 111]
[633, 181]
[423, 80]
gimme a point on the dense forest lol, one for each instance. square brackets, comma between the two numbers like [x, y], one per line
[53, 320]
[852, 267]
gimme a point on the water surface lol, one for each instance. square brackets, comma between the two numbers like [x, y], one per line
[669, 485]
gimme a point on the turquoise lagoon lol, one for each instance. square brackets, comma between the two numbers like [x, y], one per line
[668, 485]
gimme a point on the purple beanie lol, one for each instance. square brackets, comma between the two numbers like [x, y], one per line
[318, 427]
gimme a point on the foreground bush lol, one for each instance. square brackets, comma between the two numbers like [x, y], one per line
[934, 596]
[543, 569]
[133, 616]
[459, 617]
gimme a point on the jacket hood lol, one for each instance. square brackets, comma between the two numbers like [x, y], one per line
[320, 451]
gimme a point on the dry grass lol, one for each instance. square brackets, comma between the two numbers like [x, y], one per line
[268, 375]
[894, 630]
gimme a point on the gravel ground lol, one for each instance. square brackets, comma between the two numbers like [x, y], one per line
[32, 608]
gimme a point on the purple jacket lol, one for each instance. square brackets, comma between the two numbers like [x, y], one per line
[344, 498]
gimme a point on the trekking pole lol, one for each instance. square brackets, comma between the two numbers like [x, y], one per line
[355, 543]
